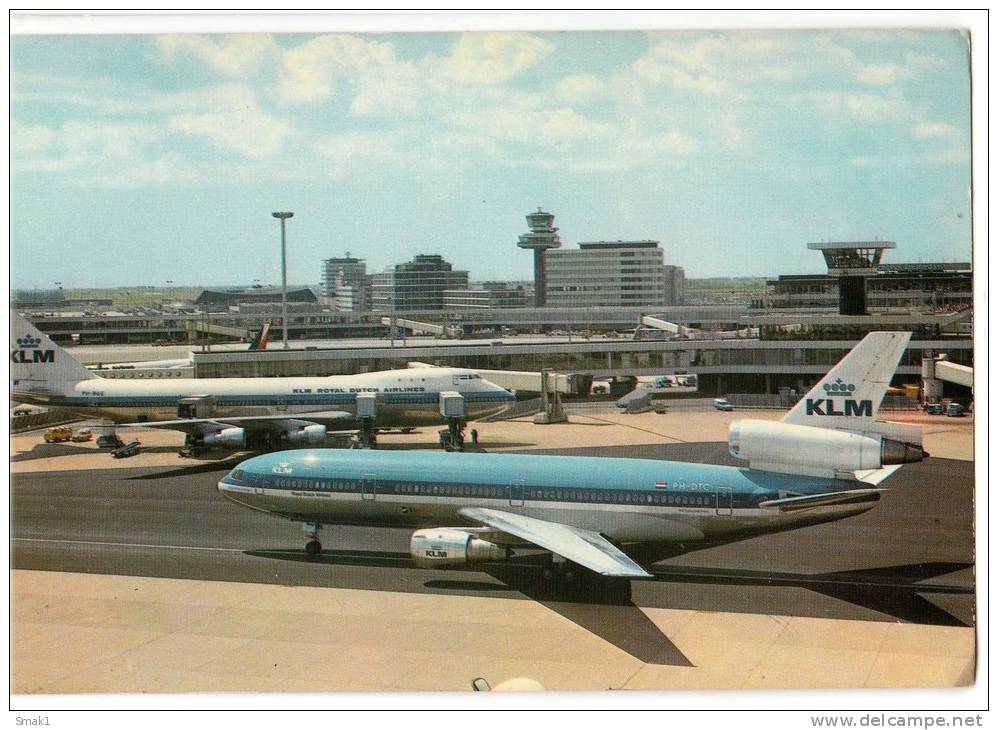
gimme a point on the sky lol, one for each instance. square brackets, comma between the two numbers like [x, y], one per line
[144, 159]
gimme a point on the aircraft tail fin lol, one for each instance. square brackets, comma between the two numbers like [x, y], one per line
[849, 396]
[36, 360]
[260, 340]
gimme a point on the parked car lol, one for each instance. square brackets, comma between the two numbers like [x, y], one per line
[58, 434]
[934, 409]
[84, 434]
[722, 404]
[129, 449]
[109, 441]
[954, 409]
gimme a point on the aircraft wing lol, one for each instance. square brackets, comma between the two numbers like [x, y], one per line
[789, 504]
[260, 423]
[588, 549]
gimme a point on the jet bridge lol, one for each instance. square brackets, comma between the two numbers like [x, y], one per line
[935, 370]
[421, 328]
[683, 332]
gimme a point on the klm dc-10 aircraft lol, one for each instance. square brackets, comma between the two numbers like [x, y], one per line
[249, 412]
[822, 462]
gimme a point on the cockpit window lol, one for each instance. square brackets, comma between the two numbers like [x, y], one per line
[237, 474]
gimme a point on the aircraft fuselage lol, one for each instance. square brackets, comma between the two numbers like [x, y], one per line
[626, 500]
[404, 397]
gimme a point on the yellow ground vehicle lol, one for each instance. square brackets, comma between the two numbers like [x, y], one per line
[57, 435]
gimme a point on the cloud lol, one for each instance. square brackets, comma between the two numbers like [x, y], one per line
[934, 129]
[249, 133]
[881, 74]
[313, 70]
[228, 115]
[235, 54]
[493, 58]
[860, 107]
[579, 88]
[123, 154]
[30, 139]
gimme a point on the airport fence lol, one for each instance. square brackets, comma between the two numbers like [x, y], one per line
[20, 424]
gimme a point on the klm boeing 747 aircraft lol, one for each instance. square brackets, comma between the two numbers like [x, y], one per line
[822, 462]
[256, 413]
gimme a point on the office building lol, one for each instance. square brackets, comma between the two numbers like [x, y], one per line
[415, 285]
[487, 295]
[612, 274]
[345, 284]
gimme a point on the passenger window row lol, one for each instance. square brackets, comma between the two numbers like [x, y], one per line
[471, 491]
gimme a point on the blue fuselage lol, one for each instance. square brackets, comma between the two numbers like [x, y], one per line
[627, 500]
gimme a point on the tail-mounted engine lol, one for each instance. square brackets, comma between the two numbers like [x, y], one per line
[443, 547]
[785, 447]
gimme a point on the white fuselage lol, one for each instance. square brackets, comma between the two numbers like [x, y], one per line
[404, 397]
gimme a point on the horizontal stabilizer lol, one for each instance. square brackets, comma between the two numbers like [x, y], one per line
[875, 476]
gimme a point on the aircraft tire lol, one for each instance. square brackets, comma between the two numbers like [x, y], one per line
[313, 547]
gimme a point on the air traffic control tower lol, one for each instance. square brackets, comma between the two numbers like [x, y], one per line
[543, 235]
[852, 262]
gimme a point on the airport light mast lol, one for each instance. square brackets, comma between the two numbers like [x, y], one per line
[284, 277]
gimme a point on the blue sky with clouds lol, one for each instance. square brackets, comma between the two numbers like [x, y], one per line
[142, 159]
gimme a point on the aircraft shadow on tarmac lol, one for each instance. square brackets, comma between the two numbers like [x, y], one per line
[198, 467]
[44, 451]
[606, 609]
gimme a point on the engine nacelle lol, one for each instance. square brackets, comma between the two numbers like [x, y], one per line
[313, 434]
[807, 449]
[226, 438]
[443, 547]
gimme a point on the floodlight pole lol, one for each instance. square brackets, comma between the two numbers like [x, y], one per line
[284, 278]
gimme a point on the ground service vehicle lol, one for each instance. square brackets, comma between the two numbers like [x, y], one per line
[129, 449]
[58, 435]
[109, 441]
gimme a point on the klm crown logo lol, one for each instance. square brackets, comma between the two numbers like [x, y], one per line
[27, 351]
[838, 403]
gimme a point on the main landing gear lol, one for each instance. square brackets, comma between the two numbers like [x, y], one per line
[313, 547]
[561, 571]
[367, 435]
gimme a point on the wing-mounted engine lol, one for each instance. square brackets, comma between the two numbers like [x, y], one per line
[809, 450]
[226, 438]
[312, 434]
[442, 547]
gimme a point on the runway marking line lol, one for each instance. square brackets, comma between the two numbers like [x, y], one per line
[128, 544]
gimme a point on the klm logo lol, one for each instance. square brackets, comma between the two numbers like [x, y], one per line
[27, 352]
[848, 407]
